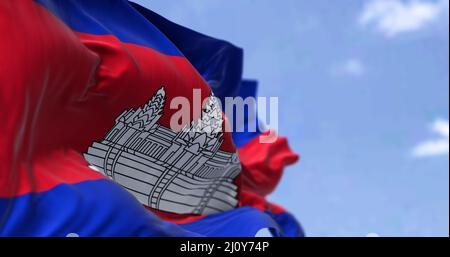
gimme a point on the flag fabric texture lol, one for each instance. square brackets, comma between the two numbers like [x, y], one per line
[86, 149]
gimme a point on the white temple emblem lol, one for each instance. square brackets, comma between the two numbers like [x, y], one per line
[182, 173]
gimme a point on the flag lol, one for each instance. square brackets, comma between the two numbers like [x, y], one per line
[87, 144]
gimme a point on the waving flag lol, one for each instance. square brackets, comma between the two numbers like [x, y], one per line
[86, 141]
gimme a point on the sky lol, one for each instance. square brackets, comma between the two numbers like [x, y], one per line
[363, 91]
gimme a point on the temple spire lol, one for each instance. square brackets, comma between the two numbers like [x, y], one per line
[154, 108]
[211, 120]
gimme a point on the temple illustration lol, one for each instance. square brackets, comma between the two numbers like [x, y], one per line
[183, 173]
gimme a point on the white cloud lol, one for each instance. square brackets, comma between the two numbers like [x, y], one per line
[438, 146]
[351, 67]
[392, 17]
[354, 67]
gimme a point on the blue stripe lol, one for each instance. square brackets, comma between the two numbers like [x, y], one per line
[242, 222]
[218, 61]
[91, 208]
[103, 208]
[289, 225]
[106, 17]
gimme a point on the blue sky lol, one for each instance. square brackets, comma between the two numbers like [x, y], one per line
[364, 96]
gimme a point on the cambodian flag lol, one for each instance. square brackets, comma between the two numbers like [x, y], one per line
[86, 141]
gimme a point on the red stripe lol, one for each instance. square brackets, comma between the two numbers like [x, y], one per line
[264, 163]
[262, 168]
[44, 69]
[60, 91]
[46, 172]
